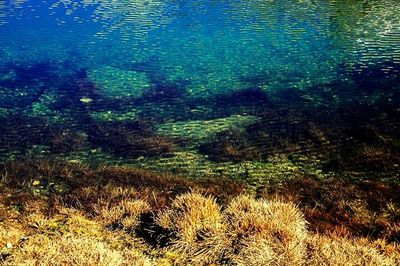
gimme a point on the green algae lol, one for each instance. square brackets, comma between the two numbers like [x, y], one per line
[4, 112]
[200, 131]
[118, 83]
[43, 108]
[191, 164]
[108, 116]
[18, 96]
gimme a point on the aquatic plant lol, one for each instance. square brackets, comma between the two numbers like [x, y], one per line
[20, 132]
[44, 107]
[199, 131]
[109, 116]
[129, 139]
[25, 85]
[254, 173]
[66, 141]
[82, 186]
[231, 146]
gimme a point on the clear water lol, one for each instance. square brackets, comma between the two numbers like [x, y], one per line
[256, 90]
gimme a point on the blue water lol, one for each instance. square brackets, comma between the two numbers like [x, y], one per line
[166, 84]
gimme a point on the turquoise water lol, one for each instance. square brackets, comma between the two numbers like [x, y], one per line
[249, 89]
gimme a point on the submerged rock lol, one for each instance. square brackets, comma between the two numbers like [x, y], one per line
[118, 83]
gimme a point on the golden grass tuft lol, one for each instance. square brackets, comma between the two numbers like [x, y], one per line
[253, 252]
[10, 236]
[278, 228]
[125, 214]
[71, 250]
[258, 232]
[342, 251]
[78, 225]
[274, 232]
[197, 224]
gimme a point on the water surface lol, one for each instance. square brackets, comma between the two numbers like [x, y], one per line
[253, 90]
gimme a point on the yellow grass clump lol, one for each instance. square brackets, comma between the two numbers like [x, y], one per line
[326, 250]
[120, 228]
[258, 232]
[197, 225]
[257, 228]
[70, 250]
[248, 232]
[125, 214]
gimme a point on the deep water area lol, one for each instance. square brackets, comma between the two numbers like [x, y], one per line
[257, 91]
